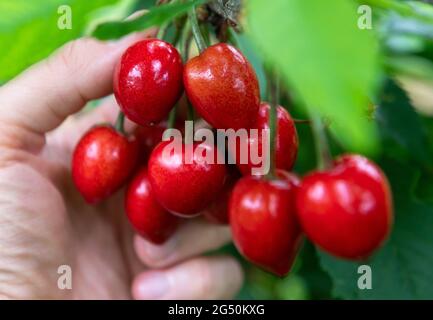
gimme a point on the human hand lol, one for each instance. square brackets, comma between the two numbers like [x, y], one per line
[44, 222]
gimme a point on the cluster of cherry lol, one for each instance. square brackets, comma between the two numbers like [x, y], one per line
[345, 209]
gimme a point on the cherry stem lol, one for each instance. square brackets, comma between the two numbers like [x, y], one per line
[185, 41]
[274, 96]
[177, 41]
[302, 121]
[171, 120]
[172, 117]
[206, 35]
[198, 37]
[184, 44]
[189, 137]
[177, 34]
[162, 31]
[190, 112]
[323, 154]
[233, 37]
[120, 122]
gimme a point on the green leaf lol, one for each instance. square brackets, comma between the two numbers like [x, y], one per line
[401, 127]
[402, 268]
[318, 281]
[423, 190]
[118, 11]
[291, 287]
[156, 16]
[422, 12]
[400, 124]
[20, 12]
[330, 63]
[411, 66]
[29, 32]
[407, 31]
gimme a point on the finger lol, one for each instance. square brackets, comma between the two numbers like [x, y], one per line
[71, 130]
[192, 238]
[43, 96]
[218, 277]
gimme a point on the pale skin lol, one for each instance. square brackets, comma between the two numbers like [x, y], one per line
[45, 223]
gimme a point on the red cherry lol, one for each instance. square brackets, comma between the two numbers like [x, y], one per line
[223, 88]
[146, 215]
[263, 221]
[346, 210]
[286, 148]
[102, 162]
[183, 184]
[218, 211]
[287, 136]
[148, 137]
[148, 81]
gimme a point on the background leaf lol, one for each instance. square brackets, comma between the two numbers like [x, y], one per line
[117, 11]
[423, 190]
[411, 66]
[325, 57]
[29, 31]
[401, 125]
[155, 17]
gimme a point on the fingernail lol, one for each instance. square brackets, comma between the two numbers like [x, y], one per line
[153, 285]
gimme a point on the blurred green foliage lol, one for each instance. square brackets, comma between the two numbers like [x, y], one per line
[329, 66]
[156, 17]
[29, 32]
[325, 53]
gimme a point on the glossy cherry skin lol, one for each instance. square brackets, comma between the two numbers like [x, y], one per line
[222, 86]
[150, 135]
[185, 185]
[146, 215]
[286, 148]
[264, 223]
[102, 162]
[347, 210]
[287, 137]
[148, 81]
[218, 211]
